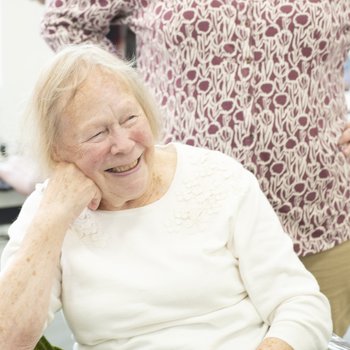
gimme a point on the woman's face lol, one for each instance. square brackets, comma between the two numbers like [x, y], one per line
[105, 132]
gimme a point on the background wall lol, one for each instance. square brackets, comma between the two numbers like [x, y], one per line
[22, 52]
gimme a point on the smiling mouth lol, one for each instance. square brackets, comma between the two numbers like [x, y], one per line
[124, 168]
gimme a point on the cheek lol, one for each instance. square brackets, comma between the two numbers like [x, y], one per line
[90, 160]
[143, 135]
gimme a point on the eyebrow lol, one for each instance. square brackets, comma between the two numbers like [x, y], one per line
[124, 110]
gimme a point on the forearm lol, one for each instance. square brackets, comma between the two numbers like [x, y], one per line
[72, 22]
[27, 280]
[274, 344]
[26, 283]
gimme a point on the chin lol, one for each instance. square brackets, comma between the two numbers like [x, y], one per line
[119, 195]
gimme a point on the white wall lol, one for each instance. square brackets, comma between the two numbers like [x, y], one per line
[23, 52]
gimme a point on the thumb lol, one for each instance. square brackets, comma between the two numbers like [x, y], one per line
[95, 202]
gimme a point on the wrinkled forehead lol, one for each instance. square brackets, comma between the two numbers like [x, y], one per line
[94, 87]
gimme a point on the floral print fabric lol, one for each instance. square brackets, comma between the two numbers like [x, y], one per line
[261, 81]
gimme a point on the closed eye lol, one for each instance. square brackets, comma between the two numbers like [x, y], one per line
[97, 135]
[130, 119]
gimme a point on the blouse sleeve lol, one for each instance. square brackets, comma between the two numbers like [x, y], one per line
[284, 293]
[76, 21]
[16, 234]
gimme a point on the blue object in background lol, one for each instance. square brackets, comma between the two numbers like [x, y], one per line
[347, 73]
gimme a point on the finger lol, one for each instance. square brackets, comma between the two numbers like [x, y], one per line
[345, 137]
[95, 202]
[346, 150]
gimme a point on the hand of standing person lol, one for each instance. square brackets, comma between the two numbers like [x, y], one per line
[344, 140]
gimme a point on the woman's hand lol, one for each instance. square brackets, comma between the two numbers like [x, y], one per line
[344, 140]
[69, 192]
[33, 269]
[274, 344]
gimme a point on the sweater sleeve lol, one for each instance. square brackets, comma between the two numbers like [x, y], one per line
[16, 234]
[76, 21]
[284, 293]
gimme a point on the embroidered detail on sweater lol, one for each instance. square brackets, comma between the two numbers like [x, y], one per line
[201, 194]
[86, 228]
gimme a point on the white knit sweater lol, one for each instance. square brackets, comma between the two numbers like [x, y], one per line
[205, 267]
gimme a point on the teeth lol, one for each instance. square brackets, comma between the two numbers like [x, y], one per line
[123, 168]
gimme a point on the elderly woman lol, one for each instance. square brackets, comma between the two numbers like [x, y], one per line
[146, 246]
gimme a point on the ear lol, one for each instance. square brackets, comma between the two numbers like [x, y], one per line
[55, 155]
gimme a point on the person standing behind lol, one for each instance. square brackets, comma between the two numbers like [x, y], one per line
[261, 81]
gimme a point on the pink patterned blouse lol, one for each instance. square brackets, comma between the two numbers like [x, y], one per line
[261, 80]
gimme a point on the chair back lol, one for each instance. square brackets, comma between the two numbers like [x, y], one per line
[338, 343]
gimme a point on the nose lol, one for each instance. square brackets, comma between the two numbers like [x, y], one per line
[121, 141]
